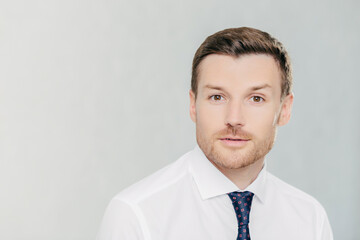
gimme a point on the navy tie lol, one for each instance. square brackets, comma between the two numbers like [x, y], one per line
[242, 205]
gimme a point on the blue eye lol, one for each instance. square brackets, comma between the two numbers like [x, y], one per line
[216, 97]
[257, 99]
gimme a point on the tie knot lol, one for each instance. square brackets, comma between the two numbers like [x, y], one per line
[239, 195]
[242, 204]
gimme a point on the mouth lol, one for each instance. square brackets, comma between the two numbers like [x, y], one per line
[234, 142]
[234, 139]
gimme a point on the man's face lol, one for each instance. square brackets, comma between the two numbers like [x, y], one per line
[238, 108]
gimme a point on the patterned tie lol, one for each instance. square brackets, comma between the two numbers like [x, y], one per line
[242, 204]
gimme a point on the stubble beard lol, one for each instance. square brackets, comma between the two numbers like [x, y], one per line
[242, 157]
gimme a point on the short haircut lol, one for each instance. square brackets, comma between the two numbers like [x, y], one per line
[243, 41]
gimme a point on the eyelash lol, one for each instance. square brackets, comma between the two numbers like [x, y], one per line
[212, 96]
[262, 99]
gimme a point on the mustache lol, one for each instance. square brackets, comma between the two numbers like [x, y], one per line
[236, 132]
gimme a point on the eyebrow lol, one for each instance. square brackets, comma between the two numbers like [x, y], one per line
[254, 88]
[260, 87]
[214, 87]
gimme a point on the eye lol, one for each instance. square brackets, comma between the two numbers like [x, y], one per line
[216, 97]
[257, 99]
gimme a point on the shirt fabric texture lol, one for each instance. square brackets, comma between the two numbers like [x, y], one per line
[188, 200]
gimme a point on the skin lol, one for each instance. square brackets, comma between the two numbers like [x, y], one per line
[237, 111]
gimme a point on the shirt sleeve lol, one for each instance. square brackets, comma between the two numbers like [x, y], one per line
[325, 231]
[119, 223]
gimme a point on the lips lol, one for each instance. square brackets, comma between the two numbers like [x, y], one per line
[234, 142]
[234, 139]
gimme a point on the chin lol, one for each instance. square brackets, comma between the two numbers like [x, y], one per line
[233, 160]
[236, 158]
[230, 158]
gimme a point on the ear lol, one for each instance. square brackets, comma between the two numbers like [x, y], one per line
[192, 106]
[285, 111]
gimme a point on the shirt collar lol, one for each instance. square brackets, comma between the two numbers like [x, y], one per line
[211, 182]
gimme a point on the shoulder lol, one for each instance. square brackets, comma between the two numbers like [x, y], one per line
[120, 222]
[162, 179]
[296, 197]
[296, 202]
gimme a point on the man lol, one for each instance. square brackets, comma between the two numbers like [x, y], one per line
[240, 92]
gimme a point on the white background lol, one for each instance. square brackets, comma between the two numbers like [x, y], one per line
[94, 97]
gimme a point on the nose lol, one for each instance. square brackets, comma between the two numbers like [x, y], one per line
[235, 114]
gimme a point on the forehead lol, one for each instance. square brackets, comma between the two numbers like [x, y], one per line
[239, 73]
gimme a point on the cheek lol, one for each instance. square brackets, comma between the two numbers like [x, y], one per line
[209, 118]
[262, 121]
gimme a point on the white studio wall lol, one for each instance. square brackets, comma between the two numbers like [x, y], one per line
[94, 97]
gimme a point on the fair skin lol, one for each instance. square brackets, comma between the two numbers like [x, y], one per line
[237, 110]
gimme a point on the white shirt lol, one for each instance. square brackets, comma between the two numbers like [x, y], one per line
[188, 200]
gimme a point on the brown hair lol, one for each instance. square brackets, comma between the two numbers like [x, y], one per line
[241, 41]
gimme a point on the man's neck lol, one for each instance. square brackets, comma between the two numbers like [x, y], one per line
[243, 177]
